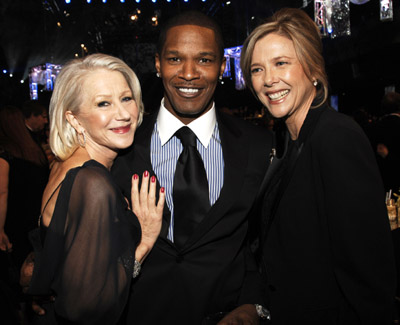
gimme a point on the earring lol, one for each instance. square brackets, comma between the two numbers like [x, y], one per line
[158, 75]
[82, 144]
[220, 77]
[315, 83]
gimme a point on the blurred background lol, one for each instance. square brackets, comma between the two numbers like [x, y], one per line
[361, 66]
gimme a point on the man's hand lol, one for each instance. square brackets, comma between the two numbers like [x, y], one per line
[5, 244]
[243, 315]
[382, 150]
[39, 301]
[37, 308]
[24, 281]
[26, 272]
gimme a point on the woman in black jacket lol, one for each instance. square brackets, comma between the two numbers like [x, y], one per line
[327, 253]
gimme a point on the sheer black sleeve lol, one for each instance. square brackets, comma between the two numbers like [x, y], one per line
[89, 250]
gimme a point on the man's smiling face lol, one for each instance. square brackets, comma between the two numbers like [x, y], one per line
[189, 64]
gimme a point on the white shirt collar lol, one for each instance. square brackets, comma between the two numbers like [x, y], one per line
[203, 126]
[28, 127]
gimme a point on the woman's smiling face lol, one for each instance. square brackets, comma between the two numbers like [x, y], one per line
[108, 113]
[278, 78]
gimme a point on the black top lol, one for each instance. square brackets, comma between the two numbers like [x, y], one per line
[328, 253]
[88, 253]
[26, 183]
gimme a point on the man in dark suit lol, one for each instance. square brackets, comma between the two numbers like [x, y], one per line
[36, 119]
[212, 273]
[386, 141]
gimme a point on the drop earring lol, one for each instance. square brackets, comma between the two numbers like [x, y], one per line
[82, 143]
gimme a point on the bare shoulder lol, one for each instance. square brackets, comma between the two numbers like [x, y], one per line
[57, 174]
[61, 168]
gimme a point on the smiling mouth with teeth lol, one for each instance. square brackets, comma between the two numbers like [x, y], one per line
[278, 95]
[188, 90]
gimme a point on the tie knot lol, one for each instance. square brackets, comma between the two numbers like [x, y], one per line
[187, 137]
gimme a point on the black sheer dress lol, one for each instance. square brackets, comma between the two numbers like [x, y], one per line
[87, 255]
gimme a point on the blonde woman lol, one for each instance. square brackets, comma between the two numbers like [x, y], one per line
[327, 250]
[92, 243]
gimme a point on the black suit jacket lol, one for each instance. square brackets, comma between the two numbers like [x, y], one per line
[214, 271]
[328, 254]
[387, 132]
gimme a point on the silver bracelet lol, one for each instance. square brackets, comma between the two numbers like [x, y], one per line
[136, 268]
[263, 312]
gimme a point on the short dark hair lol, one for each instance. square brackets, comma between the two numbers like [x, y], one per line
[390, 103]
[33, 107]
[191, 17]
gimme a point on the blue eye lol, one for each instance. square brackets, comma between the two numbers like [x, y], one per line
[127, 99]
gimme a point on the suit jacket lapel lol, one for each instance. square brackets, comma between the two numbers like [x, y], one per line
[273, 167]
[306, 131]
[142, 141]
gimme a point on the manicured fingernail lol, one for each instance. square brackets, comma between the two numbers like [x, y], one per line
[146, 173]
[135, 176]
[162, 189]
[153, 179]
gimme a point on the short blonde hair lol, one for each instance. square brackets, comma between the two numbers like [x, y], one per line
[297, 26]
[67, 96]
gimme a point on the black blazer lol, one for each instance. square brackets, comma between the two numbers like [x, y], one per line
[328, 253]
[214, 271]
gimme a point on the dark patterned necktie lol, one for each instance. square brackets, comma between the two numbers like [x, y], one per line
[190, 192]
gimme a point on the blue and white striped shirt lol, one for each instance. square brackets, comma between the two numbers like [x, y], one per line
[165, 150]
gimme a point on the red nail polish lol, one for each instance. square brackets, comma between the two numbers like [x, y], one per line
[146, 173]
[162, 189]
[153, 179]
[135, 176]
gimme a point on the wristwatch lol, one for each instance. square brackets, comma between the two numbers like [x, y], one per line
[262, 312]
